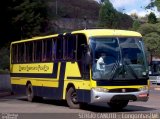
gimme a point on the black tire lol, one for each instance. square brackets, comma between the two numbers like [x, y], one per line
[71, 98]
[30, 93]
[118, 105]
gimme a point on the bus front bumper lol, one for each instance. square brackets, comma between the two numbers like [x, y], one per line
[97, 97]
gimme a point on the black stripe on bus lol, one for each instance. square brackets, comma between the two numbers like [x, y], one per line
[70, 77]
[34, 75]
[55, 70]
[38, 91]
[59, 92]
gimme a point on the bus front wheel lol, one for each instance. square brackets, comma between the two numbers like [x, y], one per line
[117, 105]
[71, 98]
[29, 92]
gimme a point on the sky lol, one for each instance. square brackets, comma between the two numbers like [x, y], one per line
[133, 6]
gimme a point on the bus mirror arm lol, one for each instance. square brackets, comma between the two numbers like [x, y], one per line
[87, 59]
[85, 47]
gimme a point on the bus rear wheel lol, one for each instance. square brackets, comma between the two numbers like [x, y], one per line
[71, 98]
[29, 93]
[118, 105]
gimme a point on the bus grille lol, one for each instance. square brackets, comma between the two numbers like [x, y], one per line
[123, 90]
[124, 97]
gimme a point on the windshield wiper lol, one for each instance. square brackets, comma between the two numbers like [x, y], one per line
[115, 70]
[131, 69]
[118, 69]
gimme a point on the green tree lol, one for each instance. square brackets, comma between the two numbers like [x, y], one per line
[147, 28]
[157, 4]
[157, 25]
[154, 3]
[124, 21]
[22, 19]
[28, 17]
[152, 18]
[6, 28]
[4, 60]
[151, 38]
[108, 15]
[152, 41]
[136, 25]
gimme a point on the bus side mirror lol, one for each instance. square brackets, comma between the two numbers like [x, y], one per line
[87, 55]
[88, 58]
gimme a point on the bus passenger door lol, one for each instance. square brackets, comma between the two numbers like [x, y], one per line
[84, 94]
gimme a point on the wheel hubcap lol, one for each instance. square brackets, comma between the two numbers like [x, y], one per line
[74, 97]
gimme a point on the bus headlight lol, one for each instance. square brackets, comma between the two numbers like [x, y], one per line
[143, 88]
[98, 89]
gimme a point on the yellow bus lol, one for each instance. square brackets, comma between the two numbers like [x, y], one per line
[87, 66]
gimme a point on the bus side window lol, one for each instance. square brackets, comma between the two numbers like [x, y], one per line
[21, 52]
[47, 50]
[29, 51]
[73, 51]
[54, 45]
[70, 47]
[59, 49]
[43, 50]
[80, 47]
[38, 51]
[14, 53]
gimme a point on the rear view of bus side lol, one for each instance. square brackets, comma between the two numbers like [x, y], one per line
[86, 66]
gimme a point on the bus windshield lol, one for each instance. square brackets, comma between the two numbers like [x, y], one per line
[118, 58]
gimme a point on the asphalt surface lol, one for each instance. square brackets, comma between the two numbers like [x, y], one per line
[48, 108]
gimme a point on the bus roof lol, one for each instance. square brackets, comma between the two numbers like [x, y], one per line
[108, 32]
[91, 33]
[35, 38]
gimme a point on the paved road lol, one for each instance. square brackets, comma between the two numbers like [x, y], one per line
[19, 104]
